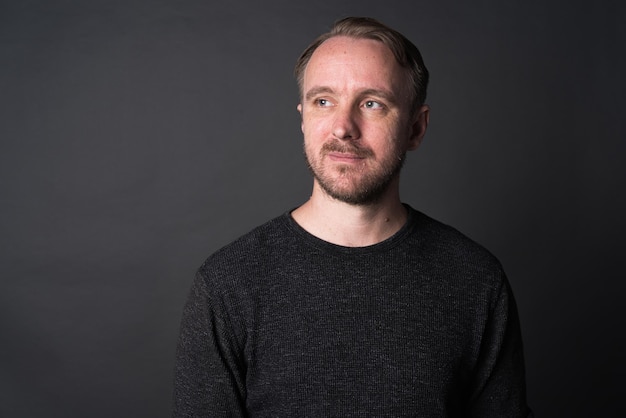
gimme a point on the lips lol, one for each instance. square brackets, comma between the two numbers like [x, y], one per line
[344, 158]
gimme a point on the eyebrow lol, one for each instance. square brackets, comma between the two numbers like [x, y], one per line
[384, 94]
[317, 91]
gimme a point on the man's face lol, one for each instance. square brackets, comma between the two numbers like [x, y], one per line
[356, 118]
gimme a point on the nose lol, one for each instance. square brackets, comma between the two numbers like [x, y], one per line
[345, 125]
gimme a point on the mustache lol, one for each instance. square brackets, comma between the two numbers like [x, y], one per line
[346, 148]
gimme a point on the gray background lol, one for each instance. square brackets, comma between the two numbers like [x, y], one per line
[137, 137]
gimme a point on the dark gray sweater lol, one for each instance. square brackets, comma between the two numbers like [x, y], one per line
[280, 323]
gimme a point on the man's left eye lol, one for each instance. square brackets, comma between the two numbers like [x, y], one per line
[372, 104]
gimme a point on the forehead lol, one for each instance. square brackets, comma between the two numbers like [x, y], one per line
[349, 62]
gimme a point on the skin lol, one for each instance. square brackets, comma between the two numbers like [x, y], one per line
[357, 127]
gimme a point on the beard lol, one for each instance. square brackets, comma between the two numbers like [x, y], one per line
[356, 184]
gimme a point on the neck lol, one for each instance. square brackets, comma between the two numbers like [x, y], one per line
[351, 225]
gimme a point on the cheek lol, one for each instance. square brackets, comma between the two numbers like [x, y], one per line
[385, 135]
[391, 142]
[313, 129]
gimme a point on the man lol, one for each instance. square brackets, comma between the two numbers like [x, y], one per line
[353, 304]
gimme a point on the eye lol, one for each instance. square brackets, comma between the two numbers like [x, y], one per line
[372, 104]
[323, 103]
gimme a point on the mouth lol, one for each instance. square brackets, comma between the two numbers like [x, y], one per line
[345, 157]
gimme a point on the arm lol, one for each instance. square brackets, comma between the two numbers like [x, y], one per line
[210, 375]
[500, 383]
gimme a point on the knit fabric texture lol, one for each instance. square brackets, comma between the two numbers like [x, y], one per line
[282, 324]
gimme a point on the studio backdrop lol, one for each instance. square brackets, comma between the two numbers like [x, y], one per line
[137, 137]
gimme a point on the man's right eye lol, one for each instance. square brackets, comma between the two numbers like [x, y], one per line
[322, 102]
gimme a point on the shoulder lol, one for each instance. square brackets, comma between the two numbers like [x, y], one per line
[251, 246]
[245, 265]
[450, 240]
[455, 251]
[233, 279]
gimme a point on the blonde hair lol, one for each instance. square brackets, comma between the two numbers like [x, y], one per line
[405, 52]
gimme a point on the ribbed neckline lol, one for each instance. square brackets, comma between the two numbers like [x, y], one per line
[320, 244]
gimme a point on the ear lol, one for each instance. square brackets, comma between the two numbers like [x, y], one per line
[299, 107]
[418, 127]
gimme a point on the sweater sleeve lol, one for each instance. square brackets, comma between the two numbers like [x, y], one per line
[209, 375]
[500, 383]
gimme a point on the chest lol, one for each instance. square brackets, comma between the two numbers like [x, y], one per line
[372, 335]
